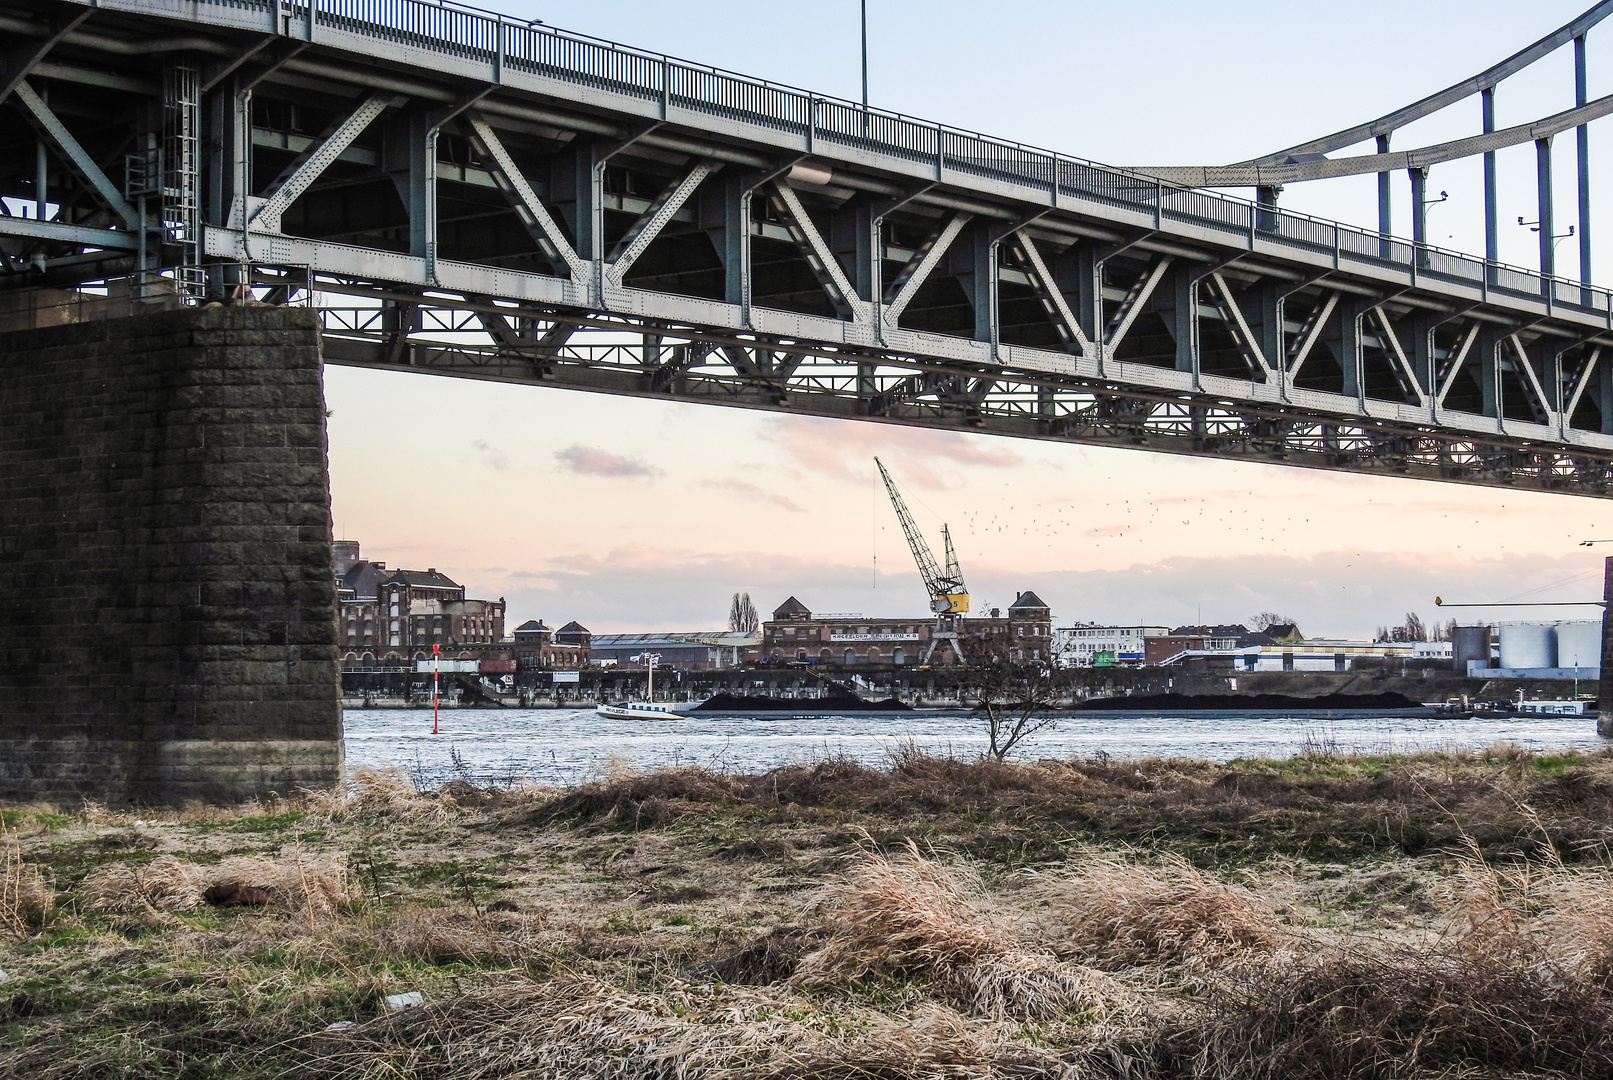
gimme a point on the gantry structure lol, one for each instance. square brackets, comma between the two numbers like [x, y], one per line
[467, 194]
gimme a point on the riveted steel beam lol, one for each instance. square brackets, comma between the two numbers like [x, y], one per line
[296, 178]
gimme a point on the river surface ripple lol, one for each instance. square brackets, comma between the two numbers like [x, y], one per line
[568, 746]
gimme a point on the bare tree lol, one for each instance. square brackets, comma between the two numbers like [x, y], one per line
[1415, 630]
[742, 615]
[1259, 622]
[1014, 700]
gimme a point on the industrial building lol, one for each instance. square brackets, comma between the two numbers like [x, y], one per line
[695, 651]
[391, 616]
[1317, 654]
[1022, 634]
[538, 647]
[1105, 646]
[1101, 646]
[1532, 650]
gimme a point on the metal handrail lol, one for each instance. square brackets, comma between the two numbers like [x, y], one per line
[461, 29]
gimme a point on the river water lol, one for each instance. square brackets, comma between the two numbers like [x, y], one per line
[567, 746]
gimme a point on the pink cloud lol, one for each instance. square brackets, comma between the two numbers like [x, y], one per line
[751, 491]
[846, 451]
[592, 461]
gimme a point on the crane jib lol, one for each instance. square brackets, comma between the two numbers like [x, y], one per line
[948, 595]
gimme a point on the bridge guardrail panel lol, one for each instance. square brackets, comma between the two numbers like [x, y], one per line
[443, 29]
[841, 122]
[704, 90]
[1195, 206]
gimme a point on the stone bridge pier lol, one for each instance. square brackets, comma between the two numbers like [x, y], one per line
[167, 623]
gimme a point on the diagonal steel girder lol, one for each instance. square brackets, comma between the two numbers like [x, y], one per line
[918, 269]
[545, 231]
[21, 59]
[655, 218]
[1053, 299]
[87, 167]
[298, 176]
[823, 262]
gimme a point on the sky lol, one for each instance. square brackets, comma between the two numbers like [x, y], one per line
[633, 515]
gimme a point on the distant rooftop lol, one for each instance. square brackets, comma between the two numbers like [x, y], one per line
[422, 579]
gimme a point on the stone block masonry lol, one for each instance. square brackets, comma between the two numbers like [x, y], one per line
[167, 611]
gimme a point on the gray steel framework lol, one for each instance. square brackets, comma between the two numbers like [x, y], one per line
[1309, 160]
[474, 196]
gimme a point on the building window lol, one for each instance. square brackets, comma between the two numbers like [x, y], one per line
[898, 655]
[851, 656]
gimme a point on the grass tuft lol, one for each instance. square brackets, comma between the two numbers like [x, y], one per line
[25, 897]
[909, 917]
[167, 883]
[1118, 914]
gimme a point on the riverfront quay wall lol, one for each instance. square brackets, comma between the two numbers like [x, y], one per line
[166, 601]
[945, 687]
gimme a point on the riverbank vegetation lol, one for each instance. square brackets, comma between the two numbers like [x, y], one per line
[1430, 915]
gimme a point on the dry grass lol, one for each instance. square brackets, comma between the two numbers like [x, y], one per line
[438, 936]
[581, 1027]
[1117, 914]
[25, 897]
[1440, 1011]
[317, 886]
[1543, 907]
[167, 883]
[629, 908]
[910, 917]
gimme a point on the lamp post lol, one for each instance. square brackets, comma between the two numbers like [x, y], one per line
[864, 4]
[649, 660]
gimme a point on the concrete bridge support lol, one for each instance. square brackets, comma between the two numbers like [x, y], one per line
[167, 628]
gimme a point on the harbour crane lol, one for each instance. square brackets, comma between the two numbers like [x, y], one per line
[949, 598]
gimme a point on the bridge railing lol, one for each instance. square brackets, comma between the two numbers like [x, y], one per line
[459, 30]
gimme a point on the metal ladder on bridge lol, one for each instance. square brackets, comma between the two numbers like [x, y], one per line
[167, 171]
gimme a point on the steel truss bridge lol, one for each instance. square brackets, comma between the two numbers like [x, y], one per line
[465, 194]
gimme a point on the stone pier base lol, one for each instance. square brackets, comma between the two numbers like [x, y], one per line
[167, 622]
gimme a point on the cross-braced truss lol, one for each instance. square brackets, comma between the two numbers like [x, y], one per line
[472, 196]
[446, 336]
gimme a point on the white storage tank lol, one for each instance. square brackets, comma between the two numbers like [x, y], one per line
[1579, 644]
[1528, 645]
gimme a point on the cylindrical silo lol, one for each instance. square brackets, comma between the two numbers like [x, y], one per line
[1470, 643]
[1579, 644]
[1528, 645]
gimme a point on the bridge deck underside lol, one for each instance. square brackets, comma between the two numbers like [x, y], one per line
[523, 227]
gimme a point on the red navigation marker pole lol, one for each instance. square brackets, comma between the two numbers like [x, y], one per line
[436, 652]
